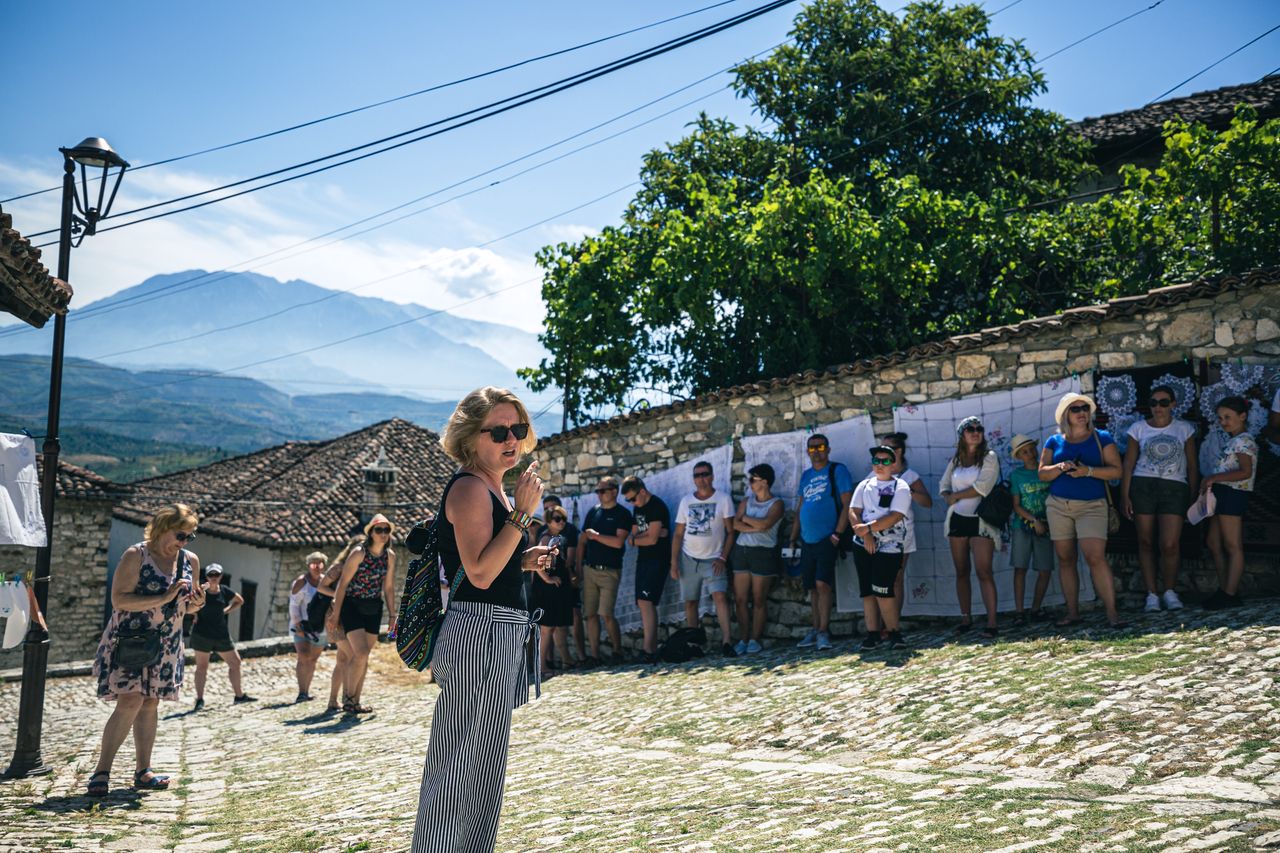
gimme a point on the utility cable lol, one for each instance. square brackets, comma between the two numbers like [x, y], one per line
[435, 88]
[1212, 65]
[459, 120]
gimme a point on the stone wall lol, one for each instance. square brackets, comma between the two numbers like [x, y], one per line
[79, 576]
[1238, 320]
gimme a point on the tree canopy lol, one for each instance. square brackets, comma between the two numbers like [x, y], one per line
[902, 190]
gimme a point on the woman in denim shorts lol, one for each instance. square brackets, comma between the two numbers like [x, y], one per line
[755, 556]
[1160, 475]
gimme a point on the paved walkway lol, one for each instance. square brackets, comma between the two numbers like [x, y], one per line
[1164, 738]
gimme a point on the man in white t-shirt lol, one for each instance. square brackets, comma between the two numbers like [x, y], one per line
[700, 549]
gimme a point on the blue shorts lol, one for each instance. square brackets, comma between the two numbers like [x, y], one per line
[1230, 501]
[651, 577]
[818, 563]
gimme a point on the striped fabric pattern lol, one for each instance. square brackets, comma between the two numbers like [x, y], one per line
[481, 664]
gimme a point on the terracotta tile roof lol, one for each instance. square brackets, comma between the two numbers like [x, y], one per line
[1117, 134]
[1162, 297]
[77, 482]
[302, 493]
[27, 290]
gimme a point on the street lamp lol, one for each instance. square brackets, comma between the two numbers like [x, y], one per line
[79, 219]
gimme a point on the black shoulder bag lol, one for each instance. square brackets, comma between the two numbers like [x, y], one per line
[996, 506]
[139, 648]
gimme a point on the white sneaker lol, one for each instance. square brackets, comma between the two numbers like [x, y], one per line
[824, 642]
[741, 647]
[1171, 600]
[1152, 605]
[754, 646]
[809, 639]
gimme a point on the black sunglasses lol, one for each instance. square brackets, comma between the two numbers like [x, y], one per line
[604, 490]
[701, 473]
[499, 433]
[1078, 408]
[183, 536]
[383, 529]
[974, 429]
[1162, 402]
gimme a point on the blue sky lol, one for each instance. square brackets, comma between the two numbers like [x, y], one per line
[160, 79]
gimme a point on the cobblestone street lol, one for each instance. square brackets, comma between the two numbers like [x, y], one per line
[1163, 738]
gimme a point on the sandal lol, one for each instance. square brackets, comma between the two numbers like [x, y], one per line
[99, 784]
[963, 628]
[155, 783]
[1067, 623]
[356, 708]
[990, 633]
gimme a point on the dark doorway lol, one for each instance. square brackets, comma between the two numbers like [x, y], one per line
[249, 591]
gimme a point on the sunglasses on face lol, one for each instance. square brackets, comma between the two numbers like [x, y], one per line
[697, 475]
[1161, 402]
[817, 448]
[499, 433]
[382, 529]
[882, 461]
[604, 490]
[556, 521]
[755, 479]
[1077, 409]
[183, 536]
[976, 429]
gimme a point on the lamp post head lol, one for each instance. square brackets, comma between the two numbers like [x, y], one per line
[95, 153]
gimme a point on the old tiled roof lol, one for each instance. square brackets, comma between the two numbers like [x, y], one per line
[27, 290]
[1117, 134]
[1089, 314]
[77, 482]
[302, 493]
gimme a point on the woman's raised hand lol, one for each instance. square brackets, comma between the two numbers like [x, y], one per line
[529, 489]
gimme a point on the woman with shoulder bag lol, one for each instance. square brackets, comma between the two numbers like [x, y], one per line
[1077, 462]
[139, 659]
[972, 473]
[368, 579]
[481, 659]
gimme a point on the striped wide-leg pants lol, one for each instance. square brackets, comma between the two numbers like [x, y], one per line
[481, 663]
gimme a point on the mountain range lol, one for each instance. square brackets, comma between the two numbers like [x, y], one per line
[244, 322]
[138, 366]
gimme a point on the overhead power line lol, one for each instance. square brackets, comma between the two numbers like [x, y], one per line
[1212, 65]
[441, 126]
[435, 88]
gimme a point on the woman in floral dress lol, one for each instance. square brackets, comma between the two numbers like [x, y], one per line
[151, 590]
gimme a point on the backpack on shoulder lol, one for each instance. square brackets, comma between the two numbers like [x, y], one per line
[683, 645]
[422, 608]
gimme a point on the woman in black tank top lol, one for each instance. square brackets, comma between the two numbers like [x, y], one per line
[481, 656]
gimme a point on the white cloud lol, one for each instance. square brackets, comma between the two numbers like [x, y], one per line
[568, 233]
[456, 279]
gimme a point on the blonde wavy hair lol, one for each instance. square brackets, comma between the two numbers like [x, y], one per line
[463, 429]
[172, 517]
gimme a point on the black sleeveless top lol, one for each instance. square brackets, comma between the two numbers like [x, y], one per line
[507, 588]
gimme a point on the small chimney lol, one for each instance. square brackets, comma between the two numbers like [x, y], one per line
[379, 488]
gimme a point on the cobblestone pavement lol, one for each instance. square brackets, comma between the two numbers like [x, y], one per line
[1166, 737]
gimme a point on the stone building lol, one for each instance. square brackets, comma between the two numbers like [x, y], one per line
[82, 526]
[1136, 136]
[1235, 318]
[261, 513]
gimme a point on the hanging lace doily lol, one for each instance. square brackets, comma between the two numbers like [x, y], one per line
[1118, 426]
[1258, 415]
[1241, 377]
[1117, 395]
[1209, 399]
[1184, 391]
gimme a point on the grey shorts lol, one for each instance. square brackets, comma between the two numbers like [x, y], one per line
[1154, 496]
[758, 560]
[1026, 545]
[694, 573]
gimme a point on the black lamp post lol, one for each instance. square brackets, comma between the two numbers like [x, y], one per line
[79, 219]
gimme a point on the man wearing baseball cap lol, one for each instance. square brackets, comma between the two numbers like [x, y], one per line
[210, 634]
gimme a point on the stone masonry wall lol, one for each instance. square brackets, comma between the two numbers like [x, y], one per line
[1242, 323]
[78, 583]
